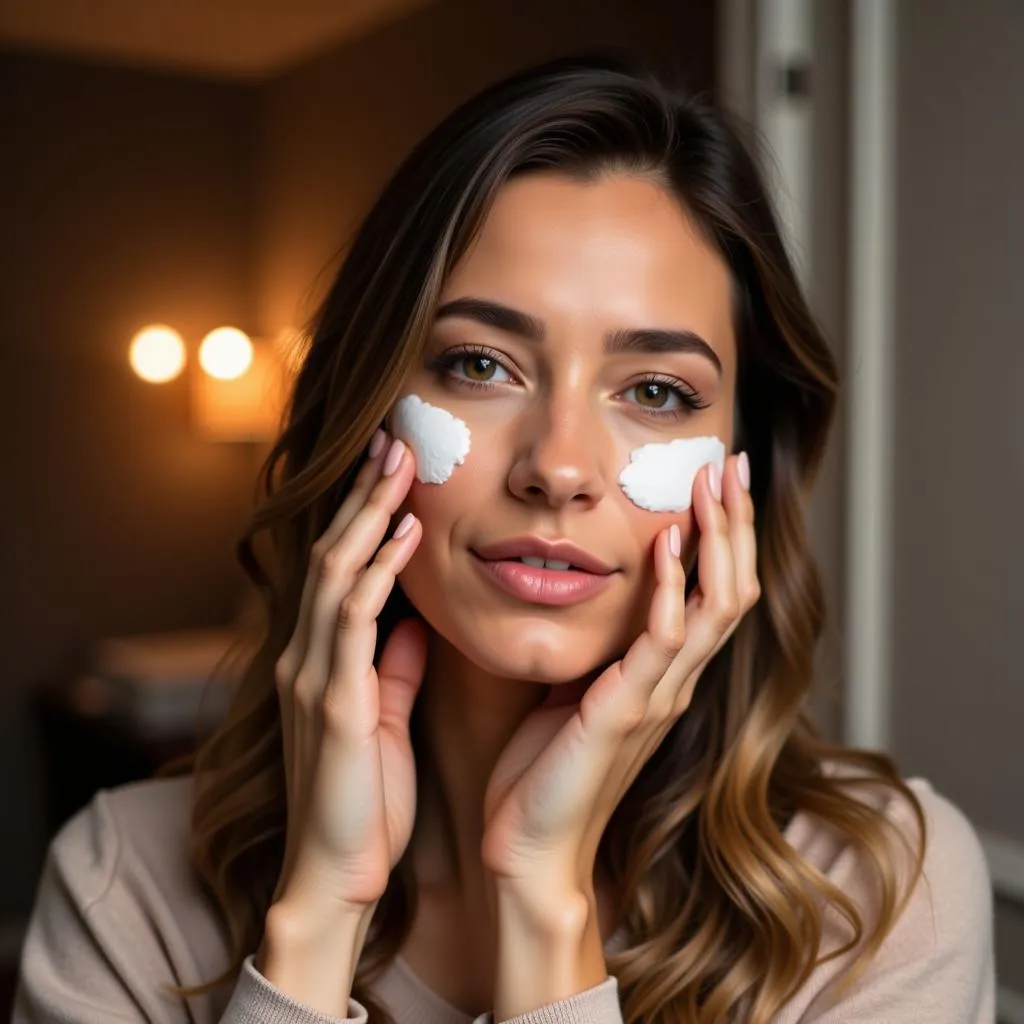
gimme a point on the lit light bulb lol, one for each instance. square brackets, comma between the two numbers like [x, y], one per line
[225, 353]
[157, 353]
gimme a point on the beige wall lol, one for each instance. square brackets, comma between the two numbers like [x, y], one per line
[958, 545]
[959, 474]
[826, 284]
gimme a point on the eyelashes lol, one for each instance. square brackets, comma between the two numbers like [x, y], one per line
[447, 366]
[688, 396]
[446, 363]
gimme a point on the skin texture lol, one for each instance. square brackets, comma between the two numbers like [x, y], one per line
[524, 771]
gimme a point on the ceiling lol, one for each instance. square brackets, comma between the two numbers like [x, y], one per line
[244, 39]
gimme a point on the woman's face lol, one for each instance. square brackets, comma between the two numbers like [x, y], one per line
[551, 369]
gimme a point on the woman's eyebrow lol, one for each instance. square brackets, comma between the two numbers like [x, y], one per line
[658, 339]
[515, 321]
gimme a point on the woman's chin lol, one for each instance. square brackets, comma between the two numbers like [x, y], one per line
[552, 660]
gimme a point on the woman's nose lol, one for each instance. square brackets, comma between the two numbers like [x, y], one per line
[559, 461]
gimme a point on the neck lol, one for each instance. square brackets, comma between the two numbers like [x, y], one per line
[467, 719]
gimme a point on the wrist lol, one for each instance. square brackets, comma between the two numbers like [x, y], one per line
[546, 907]
[311, 953]
[549, 948]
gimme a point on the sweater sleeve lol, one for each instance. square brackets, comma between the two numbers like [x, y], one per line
[93, 954]
[597, 1005]
[256, 1001]
[936, 966]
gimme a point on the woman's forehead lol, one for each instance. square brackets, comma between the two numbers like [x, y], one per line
[618, 250]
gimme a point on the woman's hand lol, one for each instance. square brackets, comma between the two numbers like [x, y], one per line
[564, 771]
[351, 788]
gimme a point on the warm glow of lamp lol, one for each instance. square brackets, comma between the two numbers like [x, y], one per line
[226, 353]
[247, 407]
[157, 353]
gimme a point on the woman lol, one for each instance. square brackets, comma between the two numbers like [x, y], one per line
[562, 771]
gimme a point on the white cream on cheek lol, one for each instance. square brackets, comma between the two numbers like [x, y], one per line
[439, 440]
[660, 477]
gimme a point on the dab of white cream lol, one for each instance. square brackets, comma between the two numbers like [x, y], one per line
[439, 440]
[660, 477]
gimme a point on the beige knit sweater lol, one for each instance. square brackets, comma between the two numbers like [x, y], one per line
[118, 914]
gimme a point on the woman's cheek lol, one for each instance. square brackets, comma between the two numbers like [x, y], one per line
[647, 525]
[463, 502]
[434, 505]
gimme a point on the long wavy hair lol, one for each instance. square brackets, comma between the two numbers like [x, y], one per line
[725, 920]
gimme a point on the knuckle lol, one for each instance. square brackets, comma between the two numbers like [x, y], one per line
[319, 555]
[673, 640]
[753, 594]
[284, 673]
[682, 702]
[352, 611]
[336, 715]
[330, 563]
[726, 611]
[304, 693]
[662, 709]
[631, 718]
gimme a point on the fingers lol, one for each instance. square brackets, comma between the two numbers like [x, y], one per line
[657, 647]
[402, 664]
[658, 665]
[661, 667]
[739, 508]
[618, 700]
[720, 601]
[714, 604]
[366, 478]
[347, 700]
[337, 569]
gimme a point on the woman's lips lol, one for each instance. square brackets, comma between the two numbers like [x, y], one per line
[542, 586]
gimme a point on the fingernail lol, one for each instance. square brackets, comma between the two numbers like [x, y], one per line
[377, 443]
[394, 457]
[743, 470]
[675, 541]
[714, 479]
[405, 525]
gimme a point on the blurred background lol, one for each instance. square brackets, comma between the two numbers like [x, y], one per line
[192, 166]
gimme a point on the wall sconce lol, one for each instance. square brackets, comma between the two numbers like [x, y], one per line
[157, 353]
[239, 389]
[240, 394]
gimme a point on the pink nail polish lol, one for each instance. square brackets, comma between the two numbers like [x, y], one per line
[715, 480]
[394, 457]
[743, 470]
[377, 443]
[405, 525]
[675, 541]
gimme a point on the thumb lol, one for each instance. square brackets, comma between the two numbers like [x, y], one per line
[402, 664]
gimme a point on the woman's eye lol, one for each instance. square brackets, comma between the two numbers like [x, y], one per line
[652, 395]
[482, 368]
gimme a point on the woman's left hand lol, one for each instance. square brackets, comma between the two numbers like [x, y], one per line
[566, 768]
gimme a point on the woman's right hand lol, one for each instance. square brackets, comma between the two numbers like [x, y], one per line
[351, 785]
